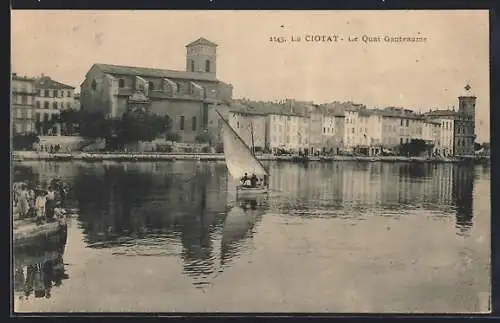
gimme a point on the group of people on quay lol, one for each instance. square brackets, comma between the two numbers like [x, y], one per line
[35, 202]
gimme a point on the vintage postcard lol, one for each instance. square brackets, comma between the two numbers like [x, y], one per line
[251, 161]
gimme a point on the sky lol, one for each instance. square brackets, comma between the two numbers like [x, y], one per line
[418, 76]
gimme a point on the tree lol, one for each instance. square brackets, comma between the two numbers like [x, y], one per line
[204, 138]
[94, 125]
[172, 136]
[141, 126]
[415, 147]
[23, 141]
[70, 120]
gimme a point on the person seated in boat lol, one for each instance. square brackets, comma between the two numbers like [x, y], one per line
[244, 180]
[253, 181]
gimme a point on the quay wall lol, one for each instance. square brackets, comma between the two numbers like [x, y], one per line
[34, 155]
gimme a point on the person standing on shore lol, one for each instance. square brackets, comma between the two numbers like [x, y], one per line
[40, 202]
[50, 204]
[23, 205]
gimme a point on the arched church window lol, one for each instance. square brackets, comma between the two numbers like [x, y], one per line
[207, 66]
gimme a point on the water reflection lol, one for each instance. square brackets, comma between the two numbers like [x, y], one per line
[185, 209]
[355, 189]
[38, 269]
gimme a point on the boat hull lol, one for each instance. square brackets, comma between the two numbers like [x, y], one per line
[28, 233]
[251, 191]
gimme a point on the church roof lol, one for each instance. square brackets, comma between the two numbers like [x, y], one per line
[202, 41]
[154, 72]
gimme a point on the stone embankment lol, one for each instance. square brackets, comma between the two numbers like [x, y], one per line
[33, 155]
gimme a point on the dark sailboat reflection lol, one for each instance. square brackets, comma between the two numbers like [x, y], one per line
[38, 269]
[185, 213]
[240, 225]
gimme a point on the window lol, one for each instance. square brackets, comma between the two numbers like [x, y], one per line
[29, 114]
[46, 93]
[401, 123]
[151, 85]
[193, 125]
[407, 122]
[178, 87]
[121, 83]
[192, 65]
[46, 105]
[68, 94]
[207, 66]
[38, 117]
[18, 128]
[37, 104]
[45, 117]
[24, 99]
[237, 124]
[18, 113]
[401, 139]
[181, 123]
[54, 105]
[38, 92]
[68, 105]
[94, 85]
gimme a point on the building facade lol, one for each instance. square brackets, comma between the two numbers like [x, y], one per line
[446, 120]
[465, 129]
[51, 98]
[185, 96]
[23, 104]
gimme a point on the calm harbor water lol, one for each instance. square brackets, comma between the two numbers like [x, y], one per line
[342, 237]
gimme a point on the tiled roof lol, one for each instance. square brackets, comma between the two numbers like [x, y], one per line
[45, 82]
[154, 72]
[22, 78]
[441, 113]
[202, 41]
[264, 108]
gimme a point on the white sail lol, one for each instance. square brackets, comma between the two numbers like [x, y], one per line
[239, 158]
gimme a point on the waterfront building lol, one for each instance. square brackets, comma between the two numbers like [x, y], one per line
[287, 130]
[185, 96]
[375, 127]
[250, 124]
[22, 104]
[333, 127]
[446, 120]
[51, 98]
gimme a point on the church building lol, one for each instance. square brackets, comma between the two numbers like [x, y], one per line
[187, 97]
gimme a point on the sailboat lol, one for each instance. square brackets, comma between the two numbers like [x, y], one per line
[240, 159]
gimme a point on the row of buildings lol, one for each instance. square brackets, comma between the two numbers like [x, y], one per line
[338, 127]
[191, 98]
[37, 101]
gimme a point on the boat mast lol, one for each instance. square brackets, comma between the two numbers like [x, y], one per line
[251, 132]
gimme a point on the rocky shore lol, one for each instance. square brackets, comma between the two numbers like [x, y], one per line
[96, 157]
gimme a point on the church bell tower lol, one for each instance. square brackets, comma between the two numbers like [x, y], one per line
[201, 56]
